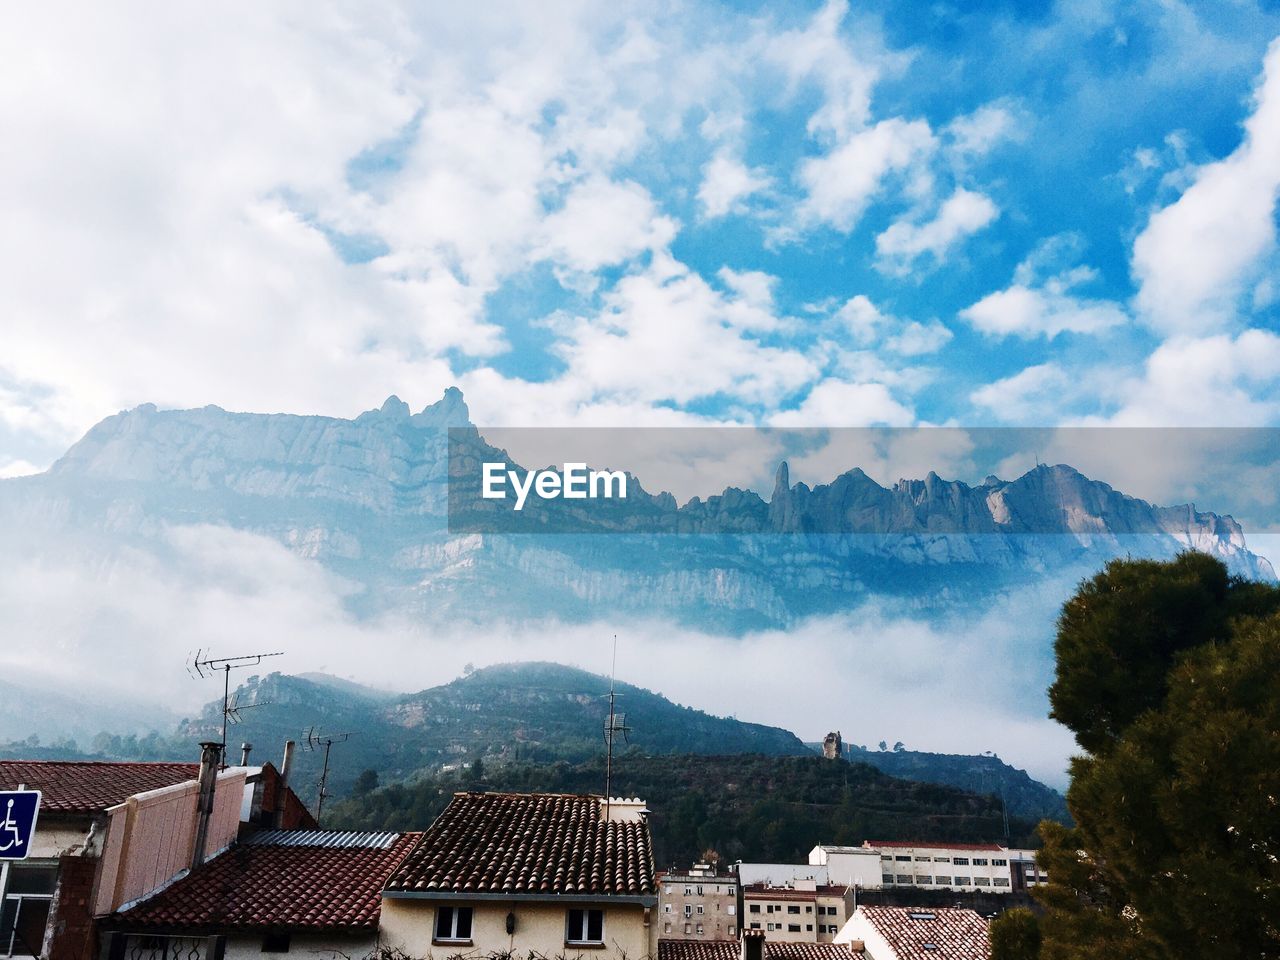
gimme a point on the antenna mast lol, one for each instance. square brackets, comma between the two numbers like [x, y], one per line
[314, 740]
[202, 665]
[616, 724]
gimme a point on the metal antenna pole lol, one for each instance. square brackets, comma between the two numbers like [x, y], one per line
[315, 740]
[616, 724]
[200, 665]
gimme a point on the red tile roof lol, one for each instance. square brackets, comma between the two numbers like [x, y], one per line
[931, 845]
[730, 950]
[334, 884]
[531, 844]
[929, 933]
[75, 786]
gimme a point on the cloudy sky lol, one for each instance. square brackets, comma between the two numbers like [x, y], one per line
[1040, 213]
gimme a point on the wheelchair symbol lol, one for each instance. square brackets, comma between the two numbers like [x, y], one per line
[9, 826]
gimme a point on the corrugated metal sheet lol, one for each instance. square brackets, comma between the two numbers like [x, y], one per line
[330, 839]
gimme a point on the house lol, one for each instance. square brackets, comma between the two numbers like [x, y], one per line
[108, 832]
[530, 874]
[912, 933]
[47, 897]
[316, 893]
[963, 867]
[802, 911]
[700, 903]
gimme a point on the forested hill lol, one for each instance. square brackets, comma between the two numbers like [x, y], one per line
[746, 807]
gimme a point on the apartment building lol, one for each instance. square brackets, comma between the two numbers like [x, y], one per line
[966, 867]
[857, 867]
[698, 904]
[802, 912]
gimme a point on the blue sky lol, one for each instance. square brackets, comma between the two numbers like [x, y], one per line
[800, 214]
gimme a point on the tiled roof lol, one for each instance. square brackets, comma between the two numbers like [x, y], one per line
[928, 933]
[730, 950]
[532, 844]
[280, 886]
[930, 845]
[323, 838]
[75, 786]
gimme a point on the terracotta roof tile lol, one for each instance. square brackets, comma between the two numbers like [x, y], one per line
[333, 884]
[929, 933]
[730, 950]
[532, 844]
[75, 786]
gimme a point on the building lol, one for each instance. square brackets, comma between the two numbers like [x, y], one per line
[803, 912]
[851, 866]
[108, 832]
[910, 933]
[317, 893]
[965, 867]
[47, 910]
[698, 904]
[544, 874]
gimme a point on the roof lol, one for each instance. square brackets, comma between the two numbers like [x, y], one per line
[367, 839]
[82, 786]
[760, 891]
[531, 844]
[730, 950]
[931, 845]
[332, 883]
[920, 933]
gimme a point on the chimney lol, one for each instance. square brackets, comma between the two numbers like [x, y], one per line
[244, 753]
[752, 945]
[286, 767]
[210, 760]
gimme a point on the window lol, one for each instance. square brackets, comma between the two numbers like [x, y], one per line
[961, 861]
[688, 891]
[942, 881]
[666, 928]
[1000, 882]
[733, 931]
[923, 881]
[698, 929]
[903, 878]
[666, 908]
[999, 863]
[808, 909]
[903, 859]
[792, 908]
[979, 861]
[686, 928]
[885, 856]
[731, 909]
[756, 926]
[453, 924]
[924, 859]
[887, 877]
[275, 943]
[688, 909]
[941, 859]
[26, 908]
[753, 908]
[699, 890]
[808, 928]
[585, 926]
[793, 928]
[768, 926]
[981, 882]
[962, 881]
[700, 908]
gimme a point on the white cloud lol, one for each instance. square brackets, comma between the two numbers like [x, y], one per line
[1200, 254]
[726, 183]
[1216, 381]
[1044, 300]
[602, 223]
[868, 325]
[961, 215]
[840, 184]
[1033, 394]
[837, 403]
[915, 338]
[976, 134]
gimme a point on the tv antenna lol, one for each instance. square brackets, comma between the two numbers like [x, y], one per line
[202, 665]
[615, 725]
[314, 742]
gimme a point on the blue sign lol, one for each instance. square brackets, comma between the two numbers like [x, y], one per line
[18, 809]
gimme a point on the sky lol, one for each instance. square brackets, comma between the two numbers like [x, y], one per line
[667, 214]
[663, 214]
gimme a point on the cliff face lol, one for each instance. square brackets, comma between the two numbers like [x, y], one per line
[368, 498]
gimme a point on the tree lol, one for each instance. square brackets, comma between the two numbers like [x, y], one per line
[367, 782]
[1015, 935]
[1177, 802]
[883, 746]
[899, 747]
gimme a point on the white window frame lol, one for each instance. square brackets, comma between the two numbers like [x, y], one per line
[582, 936]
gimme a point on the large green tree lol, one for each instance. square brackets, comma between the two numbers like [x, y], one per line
[1169, 675]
